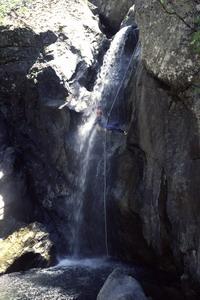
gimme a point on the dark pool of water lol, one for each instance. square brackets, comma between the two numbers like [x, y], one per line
[74, 279]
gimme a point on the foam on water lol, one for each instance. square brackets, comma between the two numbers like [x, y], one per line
[92, 263]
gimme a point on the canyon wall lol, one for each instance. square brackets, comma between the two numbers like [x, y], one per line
[156, 190]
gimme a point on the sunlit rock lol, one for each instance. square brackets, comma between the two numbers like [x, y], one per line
[167, 35]
[26, 248]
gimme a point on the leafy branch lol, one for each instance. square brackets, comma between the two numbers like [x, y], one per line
[196, 36]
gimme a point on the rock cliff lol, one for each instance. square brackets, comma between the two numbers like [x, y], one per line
[161, 161]
[165, 129]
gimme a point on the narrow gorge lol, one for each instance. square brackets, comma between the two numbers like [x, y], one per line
[99, 150]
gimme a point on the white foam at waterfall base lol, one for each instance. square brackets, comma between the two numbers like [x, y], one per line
[91, 263]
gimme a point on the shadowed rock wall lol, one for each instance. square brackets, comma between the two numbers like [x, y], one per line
[43, 64]
[113, 11]
[165, 125]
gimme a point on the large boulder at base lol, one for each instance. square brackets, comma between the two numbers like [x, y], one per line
[167, 36]
[26, 248]
[120, 286]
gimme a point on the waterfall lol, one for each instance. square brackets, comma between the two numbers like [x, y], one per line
[88, 221]
[113, 68]
[86, 135]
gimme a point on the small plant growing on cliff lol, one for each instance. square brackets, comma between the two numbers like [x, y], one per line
[196, 41]
[196, 36]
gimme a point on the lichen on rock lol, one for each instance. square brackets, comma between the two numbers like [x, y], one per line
[166, 35]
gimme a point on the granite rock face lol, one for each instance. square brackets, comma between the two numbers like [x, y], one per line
[167, 133]
[164, 129]
[155, 185]
[166, 31]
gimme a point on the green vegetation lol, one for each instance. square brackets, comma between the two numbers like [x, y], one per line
[196, 36]
[196, 41]
[196, 90]
[6, 6]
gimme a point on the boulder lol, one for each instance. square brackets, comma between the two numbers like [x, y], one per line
[26, 248]
[167, 36]
[120, 286]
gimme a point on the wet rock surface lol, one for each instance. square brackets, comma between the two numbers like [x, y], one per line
[29, 247]
[50, 284]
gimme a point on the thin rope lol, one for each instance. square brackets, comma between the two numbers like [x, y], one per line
[105, 190]
[105, 154]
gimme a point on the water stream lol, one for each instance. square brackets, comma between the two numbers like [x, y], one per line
[88, 224]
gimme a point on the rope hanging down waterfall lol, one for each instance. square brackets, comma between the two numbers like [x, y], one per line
[105, 149]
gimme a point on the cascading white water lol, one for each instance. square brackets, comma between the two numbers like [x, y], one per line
[113, 68]
[112, 72]
[86, 135]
